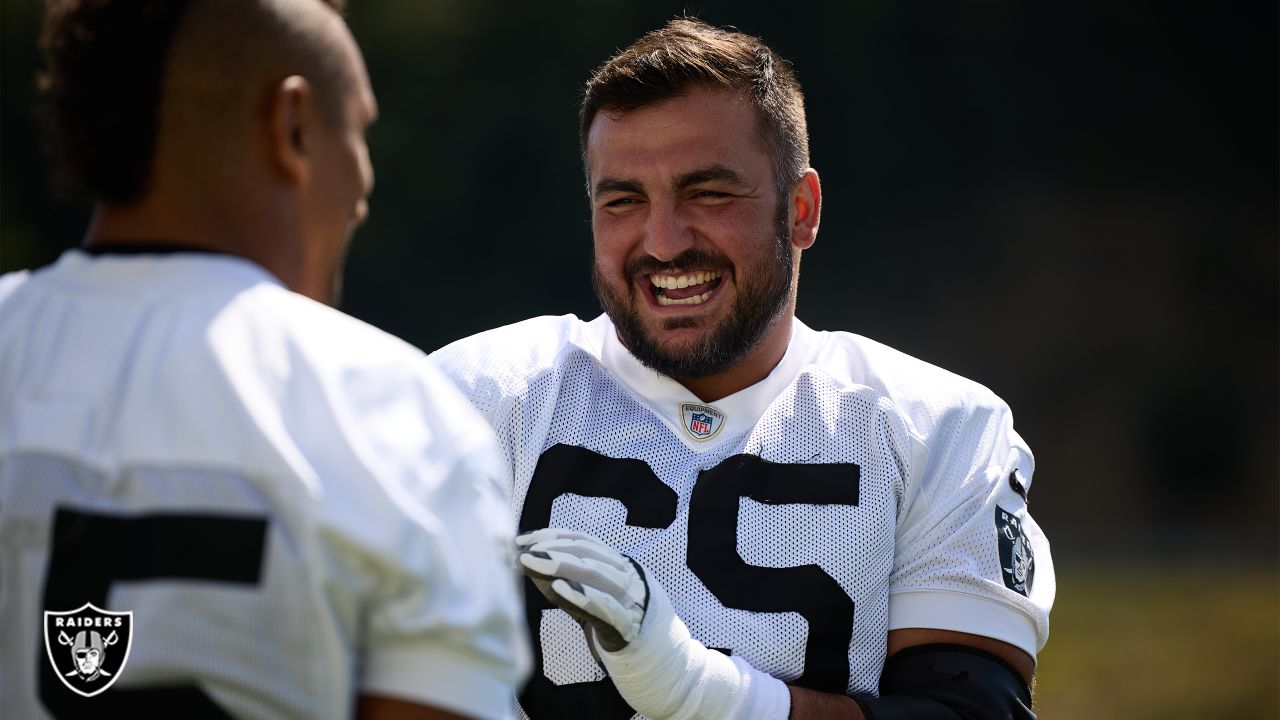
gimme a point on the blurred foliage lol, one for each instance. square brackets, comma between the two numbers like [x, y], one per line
[1074, 203]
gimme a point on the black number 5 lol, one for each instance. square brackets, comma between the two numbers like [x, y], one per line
[807, 589]
[90, 551]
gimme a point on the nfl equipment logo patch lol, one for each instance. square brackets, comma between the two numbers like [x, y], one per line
[700, 422]
[88, 647]
[1016, 560]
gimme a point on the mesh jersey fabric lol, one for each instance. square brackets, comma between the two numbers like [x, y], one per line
[853, 491]
[195, 389]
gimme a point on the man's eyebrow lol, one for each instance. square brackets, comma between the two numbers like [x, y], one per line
[712, 173]
[610, 184]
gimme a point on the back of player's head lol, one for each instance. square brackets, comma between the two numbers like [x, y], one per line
[119, 73]
[689, 54]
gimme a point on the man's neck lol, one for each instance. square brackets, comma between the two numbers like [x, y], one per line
[753, 368]
[150, 223]
[168, 224]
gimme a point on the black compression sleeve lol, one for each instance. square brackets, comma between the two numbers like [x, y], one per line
[948, 682]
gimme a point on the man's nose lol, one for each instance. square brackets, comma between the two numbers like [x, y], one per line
[667, 234]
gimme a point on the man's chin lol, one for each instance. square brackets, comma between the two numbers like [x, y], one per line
[677, 335]
[680, 354]
[684, 322]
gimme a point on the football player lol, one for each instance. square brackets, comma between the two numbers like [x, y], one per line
[748, 517]
[304, 518]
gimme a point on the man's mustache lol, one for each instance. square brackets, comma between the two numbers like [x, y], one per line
[687, 260]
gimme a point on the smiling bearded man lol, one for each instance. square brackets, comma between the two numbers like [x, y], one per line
[749, 518]
[755, 310]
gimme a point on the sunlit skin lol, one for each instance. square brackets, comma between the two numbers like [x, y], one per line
[340, 178]
[691, 175]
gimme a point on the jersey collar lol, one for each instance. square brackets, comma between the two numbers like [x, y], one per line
[679, 409]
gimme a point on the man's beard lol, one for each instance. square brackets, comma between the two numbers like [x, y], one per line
[757, 306]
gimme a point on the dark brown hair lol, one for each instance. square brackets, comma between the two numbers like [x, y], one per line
[688, 53]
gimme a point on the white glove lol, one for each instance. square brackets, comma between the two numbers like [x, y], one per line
[657, 666]
[599, 587]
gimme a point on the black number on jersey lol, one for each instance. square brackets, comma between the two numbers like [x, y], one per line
[807, 589]
[712, 556]
[91, 551]
[650, 503]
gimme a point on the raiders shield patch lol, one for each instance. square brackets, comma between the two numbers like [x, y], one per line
[88, 647]
[1016, 560]
[700, 422]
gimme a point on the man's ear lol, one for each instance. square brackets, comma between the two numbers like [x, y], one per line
[288, 117]
[805, 209]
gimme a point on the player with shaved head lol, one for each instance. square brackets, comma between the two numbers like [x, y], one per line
[303, 517]
[204, 135]
[748, 518]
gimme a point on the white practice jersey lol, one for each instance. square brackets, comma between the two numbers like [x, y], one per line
[221, 499]
[853, 491]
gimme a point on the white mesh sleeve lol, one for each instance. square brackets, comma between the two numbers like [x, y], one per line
[969, 556]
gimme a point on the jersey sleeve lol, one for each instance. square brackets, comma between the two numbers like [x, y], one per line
[970, 557]
[421, 544]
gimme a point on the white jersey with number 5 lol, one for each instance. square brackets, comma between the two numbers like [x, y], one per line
[853, 491]
[293, 505]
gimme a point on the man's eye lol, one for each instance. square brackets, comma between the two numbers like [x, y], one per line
[713, 194]
[620, 202]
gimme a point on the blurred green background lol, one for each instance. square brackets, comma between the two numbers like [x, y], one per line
[1074, 203]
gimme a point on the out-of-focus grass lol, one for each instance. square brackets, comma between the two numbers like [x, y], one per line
[1137, 641]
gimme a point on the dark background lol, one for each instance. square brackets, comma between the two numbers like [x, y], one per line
[1074, 203]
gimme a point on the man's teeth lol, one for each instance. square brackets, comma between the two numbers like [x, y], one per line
[676, 282]
[691, 300]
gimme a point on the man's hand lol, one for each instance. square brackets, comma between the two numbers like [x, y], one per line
[657, 666]
[599, 587]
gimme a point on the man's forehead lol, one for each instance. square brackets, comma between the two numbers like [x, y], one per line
[698, 129]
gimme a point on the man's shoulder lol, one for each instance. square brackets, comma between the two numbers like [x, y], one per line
[503, 362]
[211, 361]
[336, 388]
[919, 389]
[282, 353]
[324, 334]
[537, 334]
[525, 347]
[355, 360]
[10, 282]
